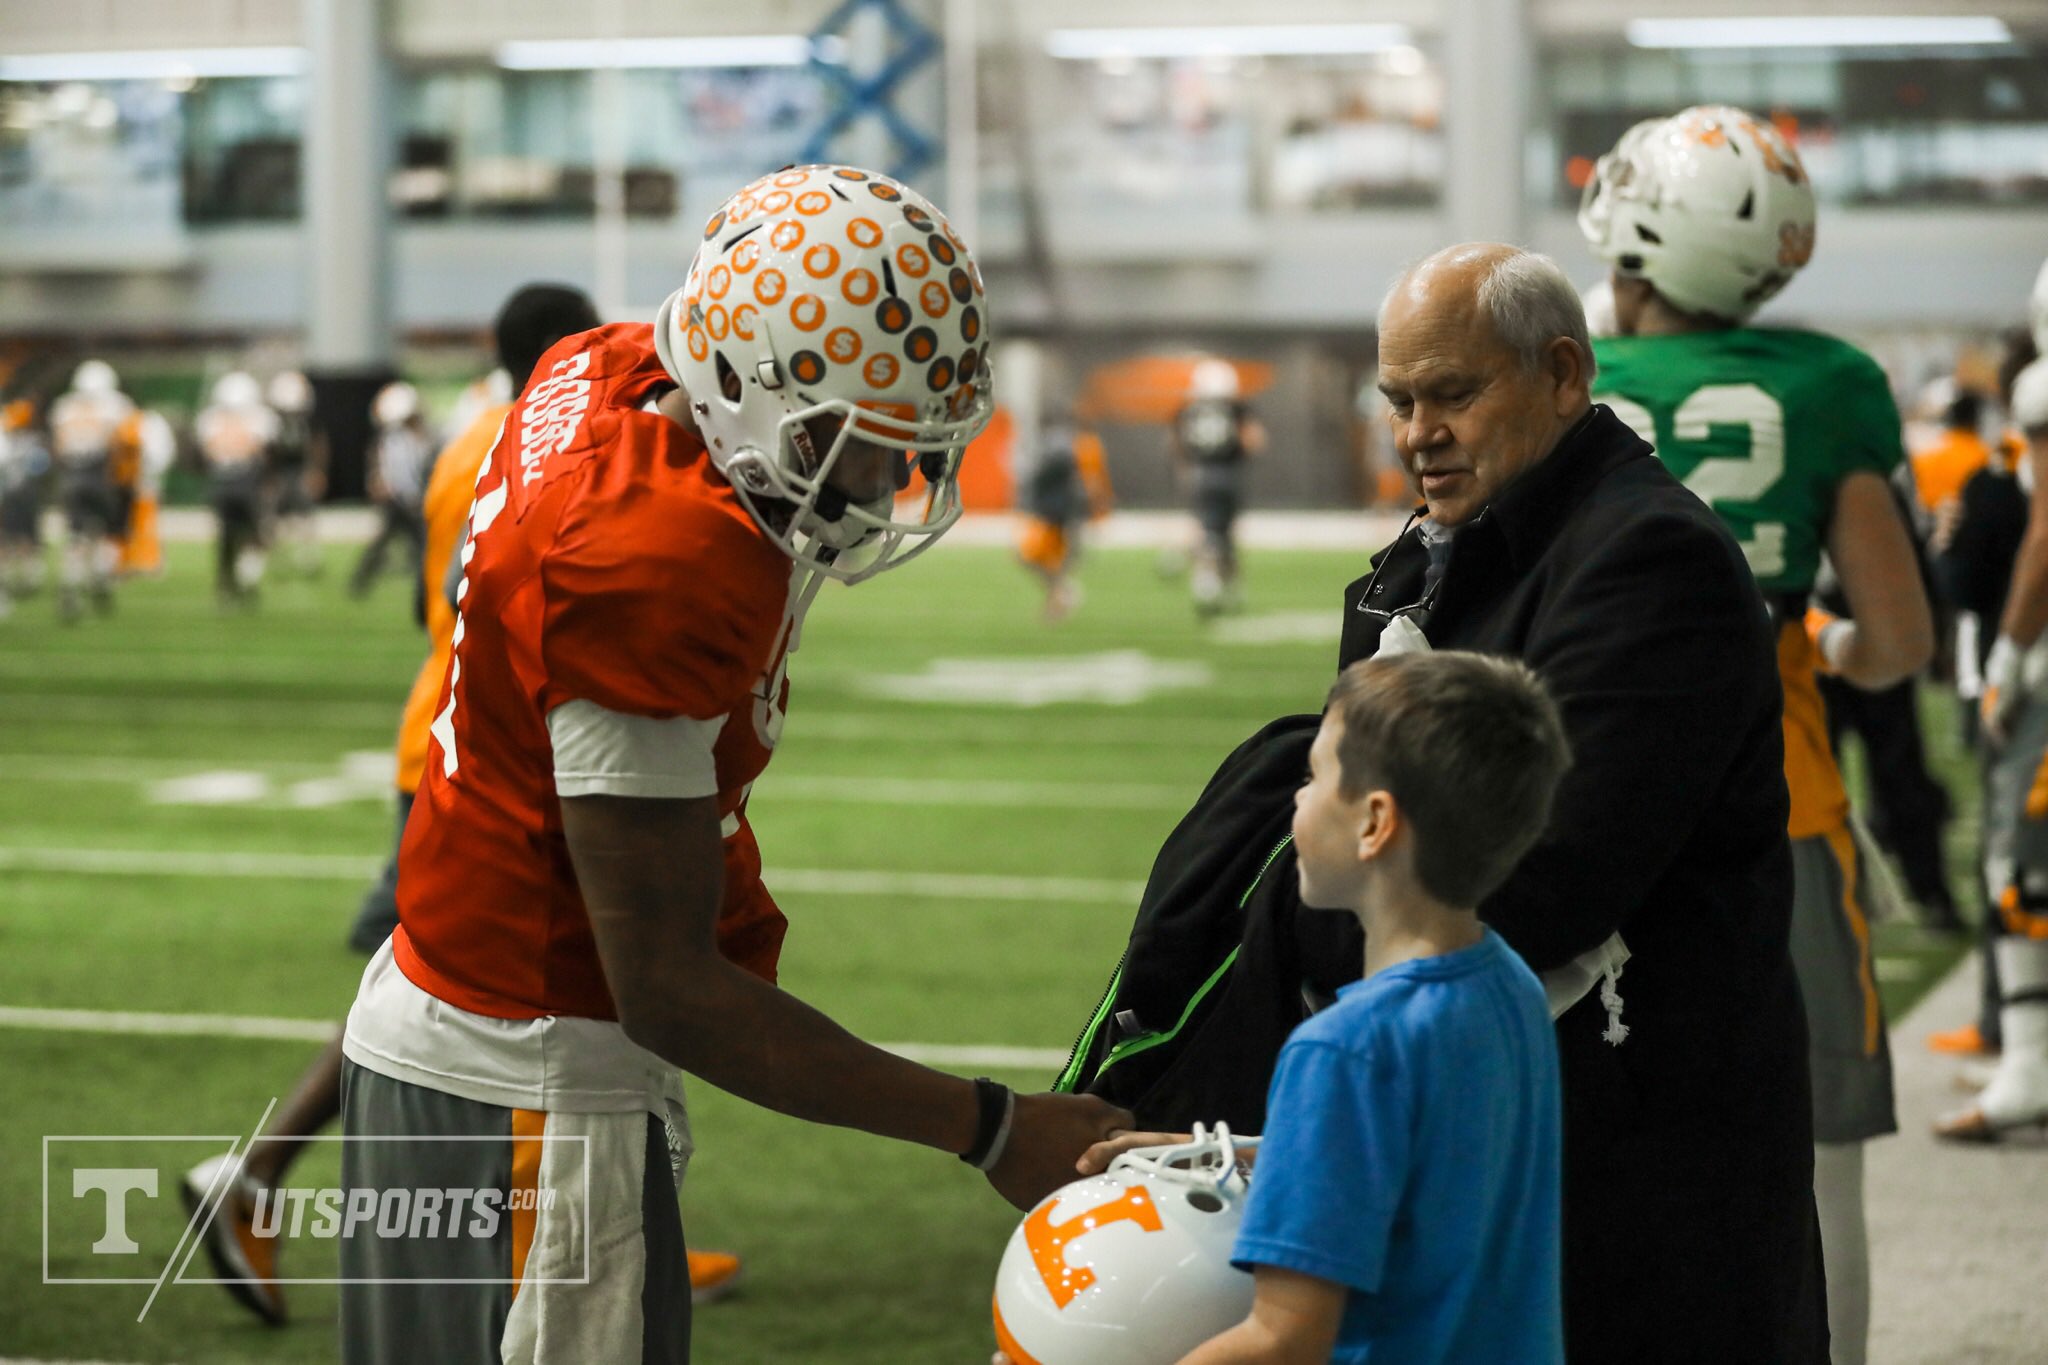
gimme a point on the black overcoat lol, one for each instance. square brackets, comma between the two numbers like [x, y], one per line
[1689, 1230]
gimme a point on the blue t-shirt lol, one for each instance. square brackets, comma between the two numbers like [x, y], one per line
[1411, 1155]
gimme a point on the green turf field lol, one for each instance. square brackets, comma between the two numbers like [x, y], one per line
[184, 830]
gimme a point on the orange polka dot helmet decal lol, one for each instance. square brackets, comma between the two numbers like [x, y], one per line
[746, 256]
[970, 363]
[860, 287]
[811, 203]
[807, 367]
[720, 281]
[711, 228]
[917, 218]
[921, 345]
[970, 324]
[864, 232]
[786, 235]
[940, 376]
[790, 179]
[821, 262]
[848, 173]
[932, 297]
[744, 319]
[963, 288]
[769, 286]
[881, 370]
[942, 250]
[843, 345]
[807, 311]
[700, 346]
[717, 321]
[912, 260]
[892, 315]
[883, 189]
[775, 201]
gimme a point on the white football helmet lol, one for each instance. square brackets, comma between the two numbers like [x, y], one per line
[2030, 398]
[1213, 378]
[1130, 1267]
[1711, 206]
[237, 389]
[290, 391]
[1598, 302]
[95, 376]
[830, 292]
[2037, 310]
[395, 404]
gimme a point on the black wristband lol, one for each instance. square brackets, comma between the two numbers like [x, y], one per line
[993, 1102]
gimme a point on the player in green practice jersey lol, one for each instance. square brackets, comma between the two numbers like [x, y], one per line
[1789, 436]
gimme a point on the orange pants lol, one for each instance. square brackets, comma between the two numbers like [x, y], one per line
[143, 550]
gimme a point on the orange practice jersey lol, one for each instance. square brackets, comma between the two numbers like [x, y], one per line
[446, 510]
[1940, 471]
[1820, 802]
[609, 562]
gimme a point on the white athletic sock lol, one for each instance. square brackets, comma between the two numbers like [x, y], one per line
[2018, 1091]
[1844, 1247]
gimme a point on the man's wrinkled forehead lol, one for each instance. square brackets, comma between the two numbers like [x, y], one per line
[1445, 331]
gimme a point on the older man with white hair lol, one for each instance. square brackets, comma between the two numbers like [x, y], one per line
[1550, 533]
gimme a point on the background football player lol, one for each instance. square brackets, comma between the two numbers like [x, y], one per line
[297, 460]
[1790, 436]
[2014, 710]
[234, 431]
[85, 429]
[582, 909]
[1214, 434]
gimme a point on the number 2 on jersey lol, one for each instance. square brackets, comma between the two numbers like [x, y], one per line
[1728, 479]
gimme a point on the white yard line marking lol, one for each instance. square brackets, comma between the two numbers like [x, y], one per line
[132, 862]
[323, 1030]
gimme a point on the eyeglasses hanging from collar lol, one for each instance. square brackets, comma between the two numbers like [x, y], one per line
[1419, 609]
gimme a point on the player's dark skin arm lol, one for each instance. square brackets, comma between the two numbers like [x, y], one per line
[651, 874]
[2026, 603]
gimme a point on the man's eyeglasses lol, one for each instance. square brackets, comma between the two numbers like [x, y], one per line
[1420, 608]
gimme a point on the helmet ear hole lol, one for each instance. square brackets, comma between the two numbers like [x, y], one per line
[1204, 1202]
[729, 387]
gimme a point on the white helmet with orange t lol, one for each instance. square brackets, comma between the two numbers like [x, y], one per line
[1711, 206]
[1130, 1267]
[827, 292]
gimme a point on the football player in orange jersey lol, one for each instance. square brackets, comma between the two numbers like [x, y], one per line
[532, 320]
[582, 906]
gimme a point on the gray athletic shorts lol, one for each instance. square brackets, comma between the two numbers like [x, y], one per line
[506, 1235]
[1832, 952]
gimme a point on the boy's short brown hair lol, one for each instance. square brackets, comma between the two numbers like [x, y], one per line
[1470, 747]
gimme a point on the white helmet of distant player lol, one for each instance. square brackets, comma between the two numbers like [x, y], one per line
[2030, 399]
[395, 404]
[290, 391]
[1711, 206]
[2037, 310]
[1130, 1267]
[834, 293]
[1213, 378]
[95, 376]
[1598, 302]
[237, 389]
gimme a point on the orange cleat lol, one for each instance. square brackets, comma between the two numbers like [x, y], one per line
[1960, 1042]
[713, 1275]
[244, 1264]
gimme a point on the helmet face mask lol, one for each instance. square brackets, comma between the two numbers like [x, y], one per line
[1710, 206]
[830, 313]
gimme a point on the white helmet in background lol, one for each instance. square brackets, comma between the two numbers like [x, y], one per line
[830, 292]
[1130, 1267]
[237, 389]
[2030, 399]
[290, 392]
[95, 376]
[1601, 320]
[2037, 310]
[1711, 206]
[1213, 378]
[396, 404]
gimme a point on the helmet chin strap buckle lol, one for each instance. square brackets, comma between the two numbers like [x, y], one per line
[769, 373]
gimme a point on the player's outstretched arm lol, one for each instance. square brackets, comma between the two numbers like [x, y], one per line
[651, 874]
[1892, 634]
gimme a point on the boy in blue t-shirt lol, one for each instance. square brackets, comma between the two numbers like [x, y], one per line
[1405, 1202]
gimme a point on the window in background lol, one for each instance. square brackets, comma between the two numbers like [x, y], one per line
[92, 157]
[241, 149]
[1875, 129]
